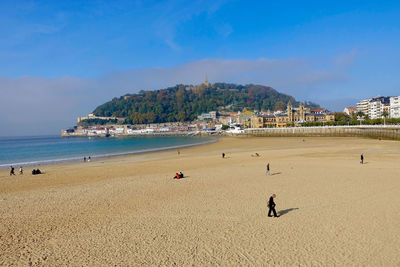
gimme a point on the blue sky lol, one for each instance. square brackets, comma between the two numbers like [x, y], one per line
[60, 59]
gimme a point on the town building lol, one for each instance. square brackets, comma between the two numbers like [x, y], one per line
[292, 116]
[210, 116]
[363, 106]
[395, 107]
[92, 116]
[377, 107]
[244, 118]
[350, 110]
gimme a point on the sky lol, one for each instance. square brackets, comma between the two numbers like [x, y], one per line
[61, 59]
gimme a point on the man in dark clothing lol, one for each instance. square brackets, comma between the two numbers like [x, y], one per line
[362, 159]
[223, 155]
[271, 206]
[12, 170]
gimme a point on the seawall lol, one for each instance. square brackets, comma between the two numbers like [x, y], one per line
[388, 132]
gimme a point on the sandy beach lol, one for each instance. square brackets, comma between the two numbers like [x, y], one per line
[128, 211]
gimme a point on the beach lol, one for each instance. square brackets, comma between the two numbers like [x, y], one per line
[128, 211]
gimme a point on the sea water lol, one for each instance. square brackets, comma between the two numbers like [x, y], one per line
[36, 150]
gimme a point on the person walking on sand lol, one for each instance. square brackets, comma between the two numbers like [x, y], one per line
[267, 172]
[223, 155]
[21, 171]
[12, 170]
[362, 159]
[271, 206]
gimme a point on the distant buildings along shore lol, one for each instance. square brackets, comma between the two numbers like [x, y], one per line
[206, 122]
[377, 107]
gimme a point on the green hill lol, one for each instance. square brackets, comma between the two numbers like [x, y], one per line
[185, 103]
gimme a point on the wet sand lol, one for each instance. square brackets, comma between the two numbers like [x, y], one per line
[127, 211]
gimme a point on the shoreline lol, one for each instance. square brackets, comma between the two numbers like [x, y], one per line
[388, 132]
[102, 156]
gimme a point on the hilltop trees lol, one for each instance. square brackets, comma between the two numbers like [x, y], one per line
[185, 103]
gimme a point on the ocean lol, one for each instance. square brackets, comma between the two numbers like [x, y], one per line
[36, 150]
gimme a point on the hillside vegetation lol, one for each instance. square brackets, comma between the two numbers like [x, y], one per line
[185, 103]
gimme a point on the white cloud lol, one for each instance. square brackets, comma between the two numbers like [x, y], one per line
[35, 105]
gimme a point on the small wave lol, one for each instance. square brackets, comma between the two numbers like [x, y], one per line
[106, 155]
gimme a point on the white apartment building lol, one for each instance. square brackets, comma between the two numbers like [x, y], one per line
[375, 107]
[363, 106]
[395, 107]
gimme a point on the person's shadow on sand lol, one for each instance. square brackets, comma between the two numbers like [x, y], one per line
[283, 212]
[184, 177]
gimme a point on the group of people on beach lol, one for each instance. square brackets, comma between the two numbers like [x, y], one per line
[88, 159]
[12, 170]
[21, 171]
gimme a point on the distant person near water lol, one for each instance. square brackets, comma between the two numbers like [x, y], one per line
[362, 159]
[89, 159]
[271, 206]
[12, 170]
[21, 170]
[223, 155]
[267, 172]
[84, 159]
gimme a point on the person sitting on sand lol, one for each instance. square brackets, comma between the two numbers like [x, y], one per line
[176, 176]
[180, 175]
[34, 172]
